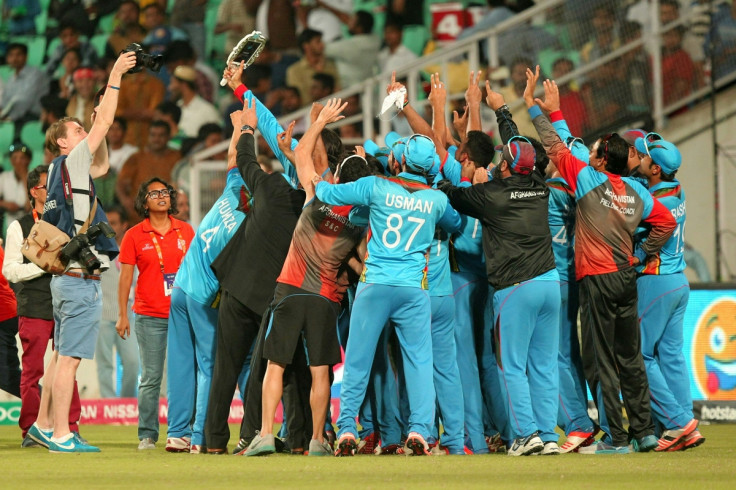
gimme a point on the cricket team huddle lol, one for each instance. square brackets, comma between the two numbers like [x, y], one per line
[453, 284]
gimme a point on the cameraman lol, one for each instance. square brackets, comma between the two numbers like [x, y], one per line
[77, 296]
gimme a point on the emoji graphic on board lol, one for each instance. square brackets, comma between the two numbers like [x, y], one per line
[714, 350]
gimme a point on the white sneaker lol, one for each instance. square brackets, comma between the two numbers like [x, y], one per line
[524, 446]
[550, 449]
[146, 443]
[197, 449]
[178, 444]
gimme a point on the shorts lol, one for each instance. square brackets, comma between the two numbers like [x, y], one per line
[77, 314]
[296, 312]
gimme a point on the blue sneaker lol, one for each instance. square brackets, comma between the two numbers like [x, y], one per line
[645, 444]
[43, 437]
[70, 444]
[604, 448]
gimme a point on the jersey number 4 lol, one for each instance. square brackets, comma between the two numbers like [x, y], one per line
[393, 231]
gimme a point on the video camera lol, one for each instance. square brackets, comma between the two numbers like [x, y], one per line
[142, 59]
[78, 247]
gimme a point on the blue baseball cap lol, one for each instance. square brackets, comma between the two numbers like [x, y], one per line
[395, 144]
[420, 153]
[380, 152]
[663, 153]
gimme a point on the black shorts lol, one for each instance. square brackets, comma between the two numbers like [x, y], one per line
[294, 312]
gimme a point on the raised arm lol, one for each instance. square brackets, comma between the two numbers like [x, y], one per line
[415, 120]
[473, 98]
[438, 101]
[506, 125]
[232, 150]
[467, 200]
[246, 160]
[303, 153]
[101, 160]
[109, 103]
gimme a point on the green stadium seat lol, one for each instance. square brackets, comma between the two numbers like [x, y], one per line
[5, 72]
[99, 41]
[36, 48]
[41, 21]
[548, 57]
[33, 136]
[106, 24]
[7, 135]
[36, 160]
[415, 38]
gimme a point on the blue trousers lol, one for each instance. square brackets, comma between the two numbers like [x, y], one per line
[495, 412]
[527, 330]
[190, 359]
[572, 414]
[447, 382]
[409, 309]
[151, 335]
[662, 303]
[471, 295]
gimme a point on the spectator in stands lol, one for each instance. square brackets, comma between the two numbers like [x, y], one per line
[74, 12]
[515, 92]
[276, 19]
[497, 13]
[571, 102]
[235, 18]
[327, 16]
[20, 16]
[118, 151]
[195, 111]
[156, 160]
[64, 85]
[159, 33]
[394, 56]
[605, 34]
[724, 44]
[637, 76]
[170, 113]
[182, 204]
[53, 108]
[102, 69]
[23, 89]
[81, 103]
[313, 61]
[362, 45]
[258, 80]
[279, 63]
[322, 86]
[182, 53]
[13, 195]
[140, 95]
[127, 29]
[108, 338]
[678, 70]
[604, 95]
[188, 15]
[405, 12]
[669, 11]
[69, 35]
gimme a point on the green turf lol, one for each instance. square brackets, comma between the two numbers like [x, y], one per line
[712, 465]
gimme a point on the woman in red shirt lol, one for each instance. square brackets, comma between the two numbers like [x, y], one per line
[156, 246]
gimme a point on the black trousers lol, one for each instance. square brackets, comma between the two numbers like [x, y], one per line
[237, 328]
[612, 352]
[297, 384]
[9, 362]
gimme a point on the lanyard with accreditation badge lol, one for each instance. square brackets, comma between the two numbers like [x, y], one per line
[168, 278]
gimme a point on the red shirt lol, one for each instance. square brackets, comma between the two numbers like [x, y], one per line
[573, 107]
[8, 305]
[138, 248]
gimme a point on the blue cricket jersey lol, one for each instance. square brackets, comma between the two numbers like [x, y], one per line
[562, 226]
[195, 277]
[671, 258]
[404, 211]
[467, 254]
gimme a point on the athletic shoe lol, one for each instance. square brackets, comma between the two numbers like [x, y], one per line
[80, 438]
[524, 446]
[346, 445]
[317, 448]
[367, 444]
[70, 444]
[440, 450]
[178, 444]
[43, 437]
[392, 449]
[672, 438]
[217, 451]
[330, 437]
[28, 442]
[416, 443]
[261, 445]
[550, 449]
[239, 450]
[604, 448]
[575, 440]
[495, 444]
[146, 443]
[645, 444]
[197, 449]
[695, 439]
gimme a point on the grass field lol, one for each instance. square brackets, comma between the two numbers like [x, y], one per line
[712, 465]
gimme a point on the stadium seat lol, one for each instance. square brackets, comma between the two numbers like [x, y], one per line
[36, 48]
[99, 41]
[33, 136]
[41, 21]
[547, 58]
[213, 42]
[415, 38]
[106, 24]
[5, 72]
[7, 134]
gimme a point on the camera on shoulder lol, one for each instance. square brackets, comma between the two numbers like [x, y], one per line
[78, 247]
[143, 59]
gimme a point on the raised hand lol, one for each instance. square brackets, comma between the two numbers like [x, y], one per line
[233, 76]
[314, 111]
[473, 94]
[438, 92]
[460, 123]
[551, 102]
[494, 100]
[394, 85]
[332, 111]
[531, 84]
[249, 116]
[284, 139]
[125, 62]
[235, 117]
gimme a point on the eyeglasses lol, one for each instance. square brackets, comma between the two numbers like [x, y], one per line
[159, 193]
[39, 187]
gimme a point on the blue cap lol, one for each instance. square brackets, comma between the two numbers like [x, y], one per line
[380, 152]
[420, 153]
[396, 144]
[663, 153]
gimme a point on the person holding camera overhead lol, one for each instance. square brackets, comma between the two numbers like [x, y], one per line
[71, 206]
[156, 246]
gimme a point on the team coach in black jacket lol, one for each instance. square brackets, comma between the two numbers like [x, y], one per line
[512, 207]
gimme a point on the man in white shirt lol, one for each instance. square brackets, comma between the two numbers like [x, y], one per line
[395, 55]
[362, 45]
[22, 91]
[195, 111]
